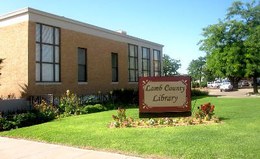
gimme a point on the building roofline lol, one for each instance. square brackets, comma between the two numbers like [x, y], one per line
[12, 14]
[29, 11]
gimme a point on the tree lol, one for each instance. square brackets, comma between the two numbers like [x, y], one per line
[170, 66]
[249, 15]
[253, 57]
[196, 69]
[232, 44]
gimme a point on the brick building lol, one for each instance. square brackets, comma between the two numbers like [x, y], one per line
[46, 53]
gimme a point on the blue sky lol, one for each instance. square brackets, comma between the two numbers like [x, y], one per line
[177, 24]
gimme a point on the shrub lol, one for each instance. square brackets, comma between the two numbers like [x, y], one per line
[125, 96]
[45, 112]
[205, 111]
[93, 108]
[197, 92]
[203, 84]
[24, 119]
[69, 103]
[17, 120]
[195, 84]
[42, 112]
[110, 106]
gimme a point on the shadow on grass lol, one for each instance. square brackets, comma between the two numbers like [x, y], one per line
[223, 118]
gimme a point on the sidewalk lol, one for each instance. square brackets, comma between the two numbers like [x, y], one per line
[23, 149]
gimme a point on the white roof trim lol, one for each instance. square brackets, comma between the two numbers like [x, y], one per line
[63, 22]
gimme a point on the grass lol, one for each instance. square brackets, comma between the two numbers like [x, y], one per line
[237, 137]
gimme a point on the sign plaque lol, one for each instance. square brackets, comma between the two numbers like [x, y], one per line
[164, 96]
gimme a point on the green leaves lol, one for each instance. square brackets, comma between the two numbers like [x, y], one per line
[196, 68]
[170, 66]
[232, 45]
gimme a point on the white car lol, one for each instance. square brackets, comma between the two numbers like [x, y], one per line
[209, 84]
[216, 84]
[225, 86]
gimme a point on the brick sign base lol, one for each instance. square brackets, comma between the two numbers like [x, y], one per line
[164, 96]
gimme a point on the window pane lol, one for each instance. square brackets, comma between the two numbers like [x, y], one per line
[114, 67]
[145, 65]
[81, 56]
[38, 55]
[132, 63]
[114, 60]
[114, 75]
[57, 36]
[132, 75]
[38, 71]
[81, 73]
[47, 72]
[57, 54]
[47, 53]
[156, 55]
[38, 32]
[57, 73]
[156, 65]
[145, 53]
[47, 34]
[132, 50]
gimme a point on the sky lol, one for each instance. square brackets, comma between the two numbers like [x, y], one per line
[176, 24]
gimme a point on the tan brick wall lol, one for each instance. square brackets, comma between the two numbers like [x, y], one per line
[98, 64]
[13, 48]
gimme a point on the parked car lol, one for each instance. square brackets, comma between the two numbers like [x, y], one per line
[225, 86]
[243, 83]
[216, 84]
[209, 84]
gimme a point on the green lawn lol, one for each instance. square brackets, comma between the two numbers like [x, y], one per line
[237, 137]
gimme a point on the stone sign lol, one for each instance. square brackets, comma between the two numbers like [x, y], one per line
[165, 96]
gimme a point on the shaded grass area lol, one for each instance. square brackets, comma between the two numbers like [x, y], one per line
[236, 137]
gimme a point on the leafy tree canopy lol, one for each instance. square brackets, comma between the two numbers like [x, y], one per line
[170, 65]
[196, 68]
[232, 45]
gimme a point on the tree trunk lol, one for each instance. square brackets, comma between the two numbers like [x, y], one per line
[234, 82]
[255, 84]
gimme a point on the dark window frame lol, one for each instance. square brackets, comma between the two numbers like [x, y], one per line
[114, 67]
[54, 46]
[135, 59]
[84, 65]
[157, 53]
[147, 60]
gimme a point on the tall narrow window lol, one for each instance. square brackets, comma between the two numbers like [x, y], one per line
[132, 63]
[82, 65]
[157, 62]
[146, 62]
[114, 60]
[47, 53]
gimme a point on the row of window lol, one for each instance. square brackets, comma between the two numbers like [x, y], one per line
[48, 58]
[82, 65]
[146, 62]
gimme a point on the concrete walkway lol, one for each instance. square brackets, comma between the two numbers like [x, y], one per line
[23, 149]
